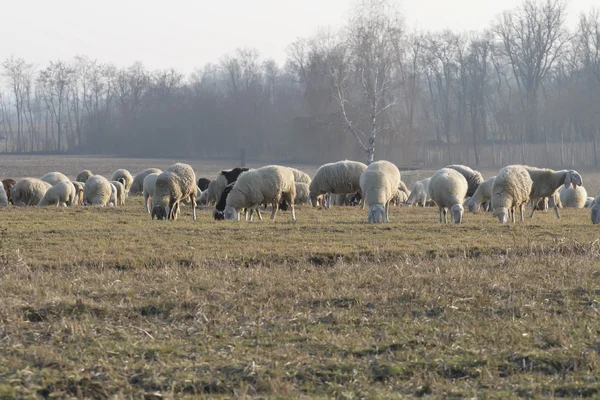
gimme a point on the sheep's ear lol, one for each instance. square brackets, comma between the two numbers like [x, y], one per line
[568, 180]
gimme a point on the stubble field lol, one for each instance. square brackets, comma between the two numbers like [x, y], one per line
[105, 303]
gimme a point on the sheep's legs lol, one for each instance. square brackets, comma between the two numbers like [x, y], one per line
[442, 212]
[293, 212]
[275, 206]
[258, 212]
[387, 215]
[193, 201]
[532, 209]
[522, 209]
[556, 211]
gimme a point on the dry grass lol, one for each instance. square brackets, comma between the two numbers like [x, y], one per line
[105, 303]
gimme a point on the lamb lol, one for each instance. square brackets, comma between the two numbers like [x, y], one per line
[78, 192]
[120, 187]
[510, 192]
[379, 183]
[595, 214]
[474, 178]
[62, 194]
[300, 176]
[8, 184]
[269, 184]
[84, 175]
[419, 192]
[573, 197]
[97, 191]
[3, 197]
[137, 186]
[546, 182]
[482, 195]
[337, 178]
[448, 189]
[203, 184]
[149, 182]
[54, 177]
[172, 186]
[125, 175]
[29, 191]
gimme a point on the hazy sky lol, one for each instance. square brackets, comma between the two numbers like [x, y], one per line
[189, 33]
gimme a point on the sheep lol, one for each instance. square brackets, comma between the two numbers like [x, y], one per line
[336, 178]
[8, 184]
[127, 178]
[510, 192]
[448, 189]
[3, 197]
[120, 186]
[301, 196]
[419, 192]
[203, 184]
[54, 177]
[269, 184]
[62, 194]
[573, 197]
[589, 202]
[474, 178]
[300, 176]
[595, 214]
[78, 192]
[220, 206]
[401, 197]
[137, 186]
[546, 182]
[84, 175]
[482, 195]
[97, 191]
[173, 185]
[379, 183]
[29, 191]
[213, 191]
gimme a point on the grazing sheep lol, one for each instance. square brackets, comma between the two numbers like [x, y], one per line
[300, 176]
[218, 211]
[336, 178]
[62, 194]
[78, 192]
[127, 178]
[97, 191]
[54, 177]
[120, 192]
[29, 191]
[8, 184]
[215, 188]
[589, 202]
[3, 197]
[301, 196]
[448, 189]
[419, 192]
[401, 198]
[474, 178]
[269, 184]
[203, 184]
[510, 192]
[172, 186]
[379, 183]
[573, 197]
[482, 195]
[137, 186]
[546, 182]
[595, 214]
[84, 175]
[112, 200]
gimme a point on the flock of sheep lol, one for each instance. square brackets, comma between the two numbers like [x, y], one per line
[243, 190]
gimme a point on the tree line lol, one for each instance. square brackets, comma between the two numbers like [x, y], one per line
[528, 86]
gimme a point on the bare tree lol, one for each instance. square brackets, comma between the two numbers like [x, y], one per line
[18, 73]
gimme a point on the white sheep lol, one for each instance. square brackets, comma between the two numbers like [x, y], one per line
[121, 191]
[29, 191]
[419, 192]
[302, 190]
[172, 186]
[97, 191]
[266, 185]
[112, 200]
[212, 194]
[336, 178]
[510, 192]
[124, 177]
[300, 176]
[573, 197]
[474, 178]
[78, 192]
[595, 214]
[546, 182]
[482, 195]
[589, 202]
[54, 177]
[379, 185]
[448, 189]
[62, 194]
[3, 197]
[84, 175]
[137, 186]
[149, 182]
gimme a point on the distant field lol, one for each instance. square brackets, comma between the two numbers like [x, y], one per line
[105, 303]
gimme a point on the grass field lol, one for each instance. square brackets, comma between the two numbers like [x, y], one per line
[105, 303]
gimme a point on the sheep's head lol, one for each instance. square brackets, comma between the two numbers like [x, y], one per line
[218, 215]
[313, 198]
[472, 205]
[502, 214]
[230, 213]
[376, 214]
[457, 212]
[159, 211]
[595, 214]
[573, 178]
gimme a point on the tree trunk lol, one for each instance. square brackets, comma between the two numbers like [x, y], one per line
[595, 152]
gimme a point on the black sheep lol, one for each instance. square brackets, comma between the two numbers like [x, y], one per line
[220, 207]
[203, 184]
[233, 174]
